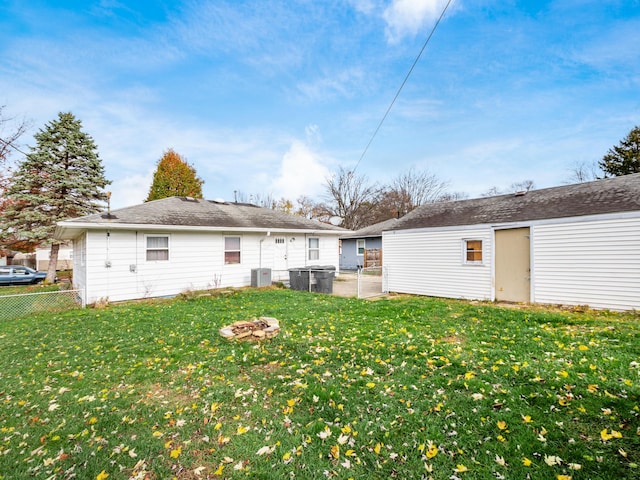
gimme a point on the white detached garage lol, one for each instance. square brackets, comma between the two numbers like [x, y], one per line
[168, 246]
[571, 245]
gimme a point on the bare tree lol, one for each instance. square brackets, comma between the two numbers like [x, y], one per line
[10, 131]
[521, 186]
[350, 197]
[265, 200]
[307, 208]
[583, 172]
[409, 190]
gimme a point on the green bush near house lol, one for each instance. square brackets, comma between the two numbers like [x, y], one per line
[407, 387]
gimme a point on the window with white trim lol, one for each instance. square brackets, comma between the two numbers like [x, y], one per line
[314, 248]
[360, 246]
[157, 248]
[232, 250]
[473, 251]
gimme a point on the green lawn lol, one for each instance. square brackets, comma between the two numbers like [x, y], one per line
[401, 388]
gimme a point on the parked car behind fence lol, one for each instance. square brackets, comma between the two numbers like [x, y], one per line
[19, 275]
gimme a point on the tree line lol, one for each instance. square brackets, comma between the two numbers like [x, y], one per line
[62, 177]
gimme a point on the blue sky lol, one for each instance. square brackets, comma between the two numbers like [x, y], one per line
[270, 97]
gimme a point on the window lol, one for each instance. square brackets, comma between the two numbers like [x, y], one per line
[231, 250]
[473, 251]
[157, 248]
[360, 244]
[314, 248]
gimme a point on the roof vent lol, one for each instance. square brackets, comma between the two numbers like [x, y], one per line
[189, 199]
[521, 193]
[218, 200]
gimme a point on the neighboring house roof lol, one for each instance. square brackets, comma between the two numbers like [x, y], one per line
[610, 195]
[183, 213]
[374, 230]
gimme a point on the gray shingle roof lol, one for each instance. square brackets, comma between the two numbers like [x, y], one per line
[610, 195]
[188, 212]
[374, 230]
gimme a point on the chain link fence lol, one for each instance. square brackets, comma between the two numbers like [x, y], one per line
[20, 305]
[371, 282]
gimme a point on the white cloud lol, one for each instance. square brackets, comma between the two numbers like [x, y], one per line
[130, 190]
[408, 17]
[337, 84]
[363, 6]
[301, 173]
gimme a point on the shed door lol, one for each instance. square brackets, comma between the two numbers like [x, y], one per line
[513, 265]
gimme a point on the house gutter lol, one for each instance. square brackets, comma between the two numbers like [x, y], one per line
[70, 230]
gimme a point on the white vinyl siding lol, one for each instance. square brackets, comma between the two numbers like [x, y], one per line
[428, 262]
[196, 262]
[79, 265]
[595, 263]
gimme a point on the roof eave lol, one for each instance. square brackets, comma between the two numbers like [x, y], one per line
[70, 230]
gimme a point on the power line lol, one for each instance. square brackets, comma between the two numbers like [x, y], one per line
[444, 10]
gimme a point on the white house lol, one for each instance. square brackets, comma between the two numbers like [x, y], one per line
[570, 245]
[65, 257]
[168, 246]
[354, 245]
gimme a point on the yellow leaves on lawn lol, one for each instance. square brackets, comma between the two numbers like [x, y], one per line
[605, 436]
[241, 430]
[335, 451]
[219, 470]
[175, 453]
[102, 475]
[432, 450]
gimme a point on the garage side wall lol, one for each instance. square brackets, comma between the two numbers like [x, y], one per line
[79, 277]
[595, 263]
[432, 262]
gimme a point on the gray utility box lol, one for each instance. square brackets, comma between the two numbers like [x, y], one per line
[260, 277]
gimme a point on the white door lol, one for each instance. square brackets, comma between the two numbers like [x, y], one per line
[280, 263]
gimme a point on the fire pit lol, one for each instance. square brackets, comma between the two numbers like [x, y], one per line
[257, 329]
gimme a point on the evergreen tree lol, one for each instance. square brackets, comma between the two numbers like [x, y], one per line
[174, 177]
[61, 178]
[624, 158]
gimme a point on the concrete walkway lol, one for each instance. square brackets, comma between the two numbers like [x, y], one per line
[346, 285]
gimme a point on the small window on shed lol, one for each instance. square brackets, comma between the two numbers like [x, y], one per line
[360, 246]
[473, 251]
